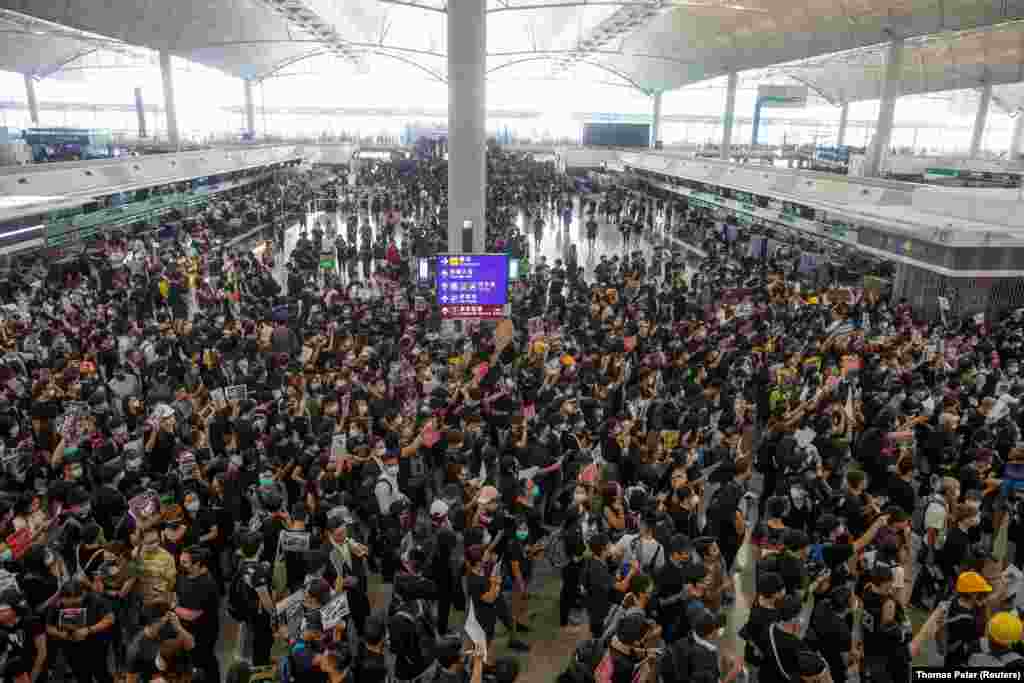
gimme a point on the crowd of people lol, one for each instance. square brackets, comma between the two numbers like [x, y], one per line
[194, 442]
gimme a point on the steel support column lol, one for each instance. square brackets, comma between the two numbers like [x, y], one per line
[730, 115]
[980, 119]
[467, 115]
[844, 115]
[656, 122]
[140, 113]
[1018, 135]
[33, 103]
[250, 111]
[170, 109]
[886, 109]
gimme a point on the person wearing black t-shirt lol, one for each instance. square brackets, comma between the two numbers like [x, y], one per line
[199, 608]
[22, 640]
[483, 587]
[372, 660]
[780, 642]
[82, 622]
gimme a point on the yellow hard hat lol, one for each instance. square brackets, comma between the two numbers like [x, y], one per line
[1005, 628]
[972, 582]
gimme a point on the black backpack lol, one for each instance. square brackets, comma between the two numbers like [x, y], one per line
[418, 470]
[426, 635]
[243, 601]
[675, 668]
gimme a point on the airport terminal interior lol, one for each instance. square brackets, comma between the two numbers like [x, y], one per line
[537, 341]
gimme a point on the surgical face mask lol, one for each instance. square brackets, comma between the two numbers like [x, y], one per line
[266, 483]
[522, 534]
[192, 507]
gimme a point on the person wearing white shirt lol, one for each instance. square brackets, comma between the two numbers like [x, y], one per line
[643, 547]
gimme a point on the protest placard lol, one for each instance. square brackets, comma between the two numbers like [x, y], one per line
[237, 392]
[144, 505]
[187, 466]
[334, 611]
[294, 541]
[339, 445]
[72, 618]
[289, 611]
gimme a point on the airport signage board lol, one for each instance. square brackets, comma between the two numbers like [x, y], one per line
[472, 285]
[787, 96]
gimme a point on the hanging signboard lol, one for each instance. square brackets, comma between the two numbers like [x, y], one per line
[783, 96]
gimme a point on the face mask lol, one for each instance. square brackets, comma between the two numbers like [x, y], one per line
[236, 460]
[6, 555]
[522, 534]
[192, 507]
[266, 483]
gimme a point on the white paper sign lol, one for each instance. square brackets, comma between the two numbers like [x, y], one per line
[334, 611]
[289, 610]
[236, 393]
[294, 541]
[475, 632]
[339, 445]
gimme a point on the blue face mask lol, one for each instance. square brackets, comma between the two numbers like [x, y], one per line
[266, 482]
[6, 555]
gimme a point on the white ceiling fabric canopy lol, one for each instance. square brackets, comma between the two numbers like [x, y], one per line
[650, 45]
[936, 63]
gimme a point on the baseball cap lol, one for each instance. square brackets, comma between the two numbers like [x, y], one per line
[679, 543]
[769, 583]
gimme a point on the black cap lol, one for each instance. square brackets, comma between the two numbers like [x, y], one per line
[790, 608]
[769, 583]
[679, 543]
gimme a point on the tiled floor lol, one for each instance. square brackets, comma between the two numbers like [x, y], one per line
[548, 656]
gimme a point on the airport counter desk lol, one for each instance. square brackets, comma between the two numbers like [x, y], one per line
[963, 245]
